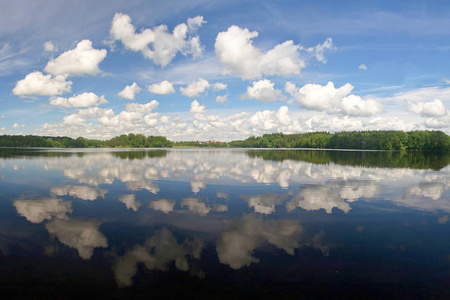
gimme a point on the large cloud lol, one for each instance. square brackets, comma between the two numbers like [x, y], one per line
[129, 91]
[79, 234]
[333, 100]
[79, 61]
[263, 90]
[234, 48]
[79, 191]
[195, 89]
[158, 253]
[429, 109]
[236, 245]
[162, 88]
[39, 84]
[82, 100]
[158, 44]
[36, 211]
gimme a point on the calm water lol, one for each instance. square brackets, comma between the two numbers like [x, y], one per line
[224, 224]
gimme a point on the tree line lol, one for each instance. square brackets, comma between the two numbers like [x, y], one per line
[123, 141]
[363, 140]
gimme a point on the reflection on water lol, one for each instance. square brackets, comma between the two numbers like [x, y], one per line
[243, 223]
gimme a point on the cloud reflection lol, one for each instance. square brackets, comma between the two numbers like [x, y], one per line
[79, 234]
[82, 192]
[157, 253]
[236, 245]
[36, 211]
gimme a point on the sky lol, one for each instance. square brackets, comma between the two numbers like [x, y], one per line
[222, 70]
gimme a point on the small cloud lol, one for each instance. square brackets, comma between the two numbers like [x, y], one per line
[196, 108]
[263, 90]
[162, 88]
[39, 84]
[18, 126]
[447, 81]
[222, 99]
[194, 89]
[443, 220]
[82, 100]
[362, 67]
[49, 47]
[219, 86]
[129, 91]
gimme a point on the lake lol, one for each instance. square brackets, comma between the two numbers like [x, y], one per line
[224, 223]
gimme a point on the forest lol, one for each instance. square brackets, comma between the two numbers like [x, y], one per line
[362, 140]
[123, 141]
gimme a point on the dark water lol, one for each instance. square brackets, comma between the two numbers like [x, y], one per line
[224, 224]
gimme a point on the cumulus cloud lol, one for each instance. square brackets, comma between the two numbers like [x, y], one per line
[362, 67]
[235, 246]
[79, 191]
[81, 235]
[158, 252]
[263, 90]
[130, 202]
[218, 86]
[164, 205]
[82, 100]
[79, 61]
[162, 88]
[158, 44]
[428, 109]
[39, 84]
[222, 99]
[49, 47]
[332, 100]
[196, 108]
[129, 91]
[142, 108]
[195, 89]
[234, 48]
[36, 211]
[265, 203]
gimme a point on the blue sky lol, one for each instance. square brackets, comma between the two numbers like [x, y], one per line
[224, 70]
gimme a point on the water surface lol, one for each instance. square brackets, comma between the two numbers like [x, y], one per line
[224, 223]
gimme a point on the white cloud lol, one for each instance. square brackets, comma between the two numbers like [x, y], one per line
[218, 86]
[234, 48]
[82, 100]
[164, 205]
[263, 90]
[158, 44]
[429, 109]
[196, 108]
[331, 100]
[194, 89]
[79, 61]
[49, 47]
[235, 246]
[36, 211]
[130, 202]
[158, 252]
[142, 108]
[222, 99]
[264, 203]
[362, 67]
[318, 51]
[79, 191]
[162, 88]
[129, 91]
[196, 206]
[81, 235]
[39, 84]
